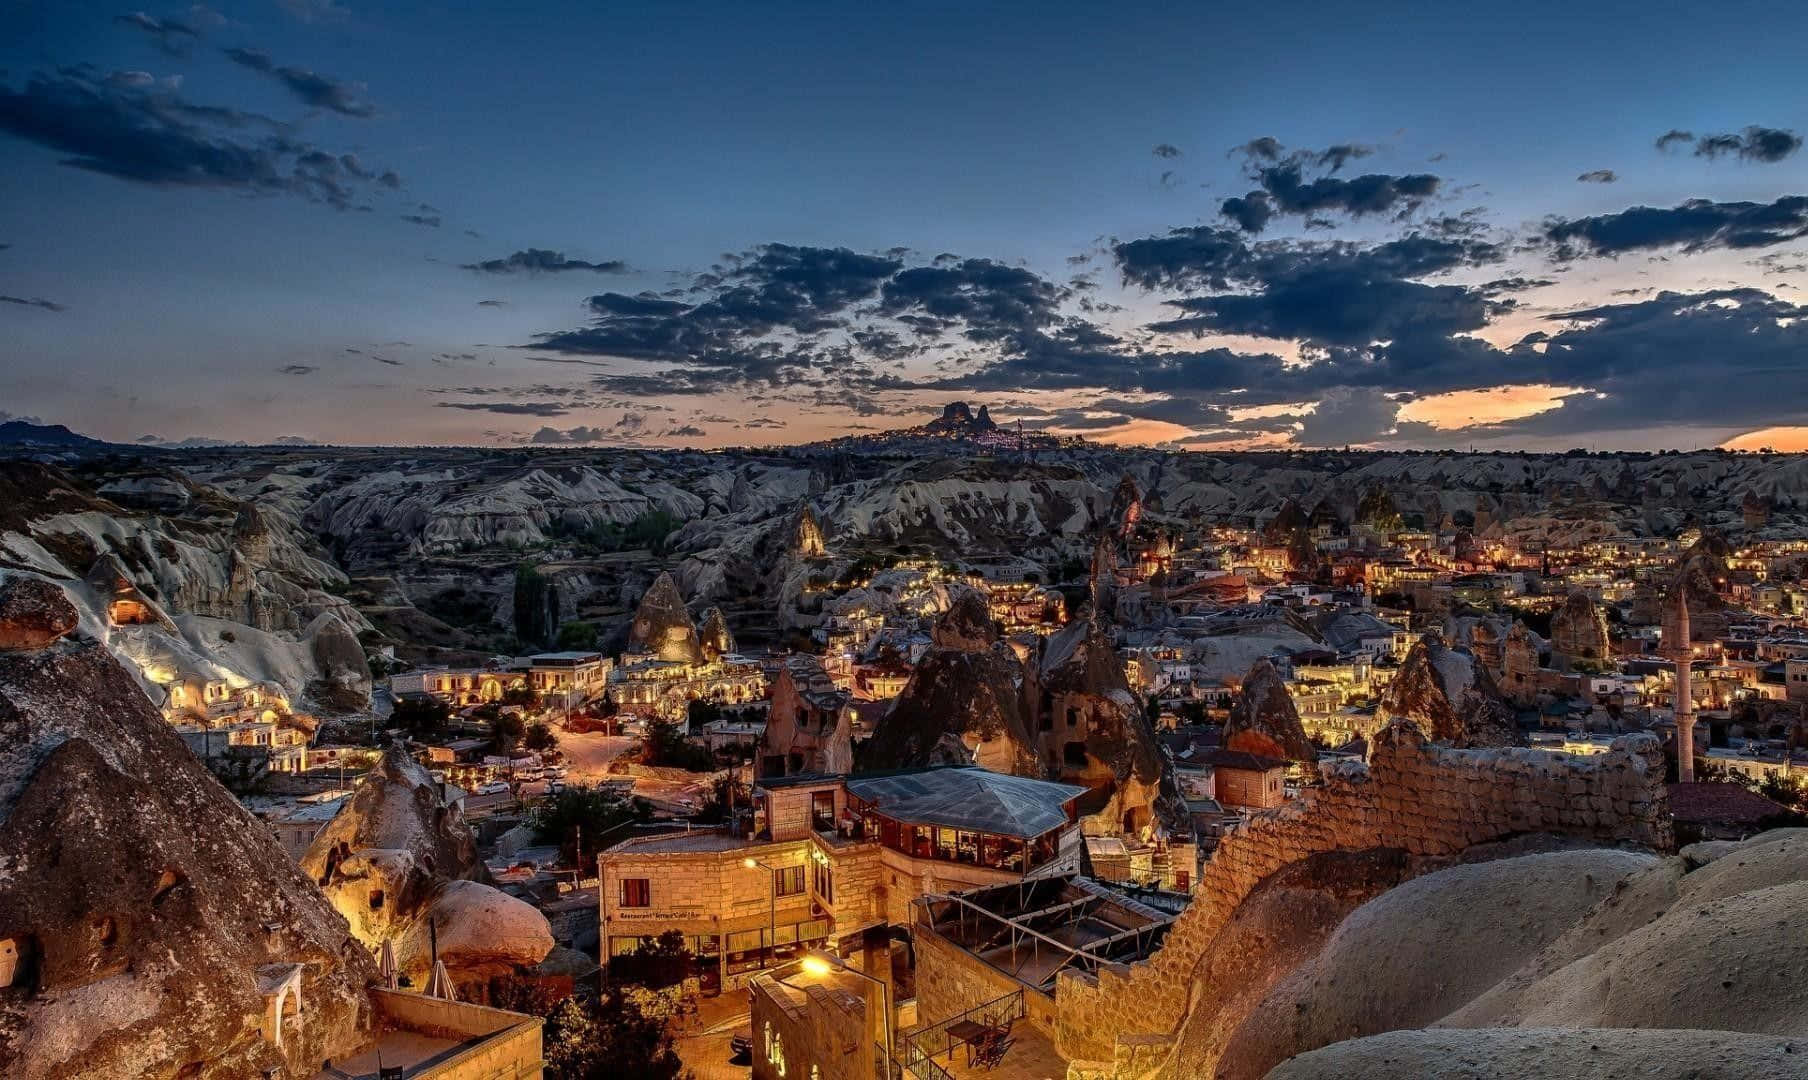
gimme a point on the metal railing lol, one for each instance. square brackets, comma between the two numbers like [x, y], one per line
[921, 1046]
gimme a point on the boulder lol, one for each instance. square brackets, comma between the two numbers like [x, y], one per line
[34, 614]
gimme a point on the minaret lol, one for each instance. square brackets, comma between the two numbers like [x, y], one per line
[1685, 705]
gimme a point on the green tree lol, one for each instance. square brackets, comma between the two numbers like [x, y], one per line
[623, 1033]
[578, 635]
[422, 717]
[656, 963]
[597, 813]
[507, 731]
[666, 744]
[725, 793]
[539, 737]
[524, 696]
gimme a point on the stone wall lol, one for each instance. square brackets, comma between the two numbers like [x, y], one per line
[813, 1029]
[951, 980]
[1427, 800]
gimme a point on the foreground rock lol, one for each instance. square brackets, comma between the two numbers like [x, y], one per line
[396, 860]
[1553, 1054]
[33, 614]
[142, 901]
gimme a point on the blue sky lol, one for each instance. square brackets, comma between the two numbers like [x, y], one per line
[664, 137]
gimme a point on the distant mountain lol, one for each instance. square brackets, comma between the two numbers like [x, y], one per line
[45, 437]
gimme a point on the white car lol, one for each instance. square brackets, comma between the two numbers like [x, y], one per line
[494, 787]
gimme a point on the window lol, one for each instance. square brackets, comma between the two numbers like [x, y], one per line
[825, 882]
[788, 881]
[636, 892]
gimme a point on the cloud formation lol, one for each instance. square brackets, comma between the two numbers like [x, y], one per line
[1287, 184]
[158, 138]
[311, 88]
[1599, 176]
[1694, 226]
[171, 35]
[1764, 145]
[542, 261]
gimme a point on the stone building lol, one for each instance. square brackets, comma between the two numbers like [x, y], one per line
[809, 724]
[832, 862]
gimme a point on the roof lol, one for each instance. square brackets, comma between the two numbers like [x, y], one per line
[969, 798]
[568, 657]
[1239, 759]
[1721, 803]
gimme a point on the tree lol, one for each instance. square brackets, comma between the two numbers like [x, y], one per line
[524, 696]
[596, 813]
[578, 635]
[656, 963]
[702, 712]
[539, 737]
[725, 793]
[666, 744]
[623, 1033]
[422, 717]
[507, 731]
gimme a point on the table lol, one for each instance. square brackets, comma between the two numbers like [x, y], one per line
[969, 1032]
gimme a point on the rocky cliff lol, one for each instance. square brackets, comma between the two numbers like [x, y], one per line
[141, 900]
[1264, 721]
[662, 625]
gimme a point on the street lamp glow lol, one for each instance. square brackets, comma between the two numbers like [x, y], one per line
[750, 862]
[818, 966]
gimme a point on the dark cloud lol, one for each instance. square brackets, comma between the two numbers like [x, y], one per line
[1348, 415]
[1760, 144]
[309, 87]
[171, 35]
[298, 369]
[1166, 150]
[1285, 186]
[509, 408]
[1599, 176]
[431, 221]
[688, 431]
[492, 303]
[579, 434]
[1673, 137]
[1696, 225]
[542, 261]
[162, 140]
[758, 319]
[47, 305]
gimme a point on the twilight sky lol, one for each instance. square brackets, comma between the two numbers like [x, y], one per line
[1531, 225]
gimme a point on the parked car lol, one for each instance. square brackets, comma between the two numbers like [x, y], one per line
[494, 787]
[740, 1046]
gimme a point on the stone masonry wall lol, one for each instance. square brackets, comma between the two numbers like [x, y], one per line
[1425, 799]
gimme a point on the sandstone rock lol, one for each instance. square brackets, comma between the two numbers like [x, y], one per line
[1579, 633]
[662, 625]
[1551, 1054]
[144, 899]
[713, 636]
[1449, 696]
[34, 614]
[1264, 721]
[967, 624]
[344, 671]
[806, 536]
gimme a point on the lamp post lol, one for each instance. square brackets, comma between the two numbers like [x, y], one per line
[820, 963]
[752, 863]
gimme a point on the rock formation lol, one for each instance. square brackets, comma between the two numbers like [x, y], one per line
[1699, 575]
[1579, 633]
[806, 536]
[964, 701]
[1126, 507]
[1754, 510]
[345, 680]
[142, 901]
[809, 723]
[662, 625]
[1519, 665]
[1091, 730]
[1449, 696]
[1102, 576]
[713, 636]
[34, 614]
[396, 859]
[1263, 720]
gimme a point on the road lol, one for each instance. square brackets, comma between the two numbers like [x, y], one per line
[587, 758]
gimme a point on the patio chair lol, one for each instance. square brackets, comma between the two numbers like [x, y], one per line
[989, 1053]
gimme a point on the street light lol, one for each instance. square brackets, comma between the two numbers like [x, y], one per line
[752, 863]
[819, 963]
